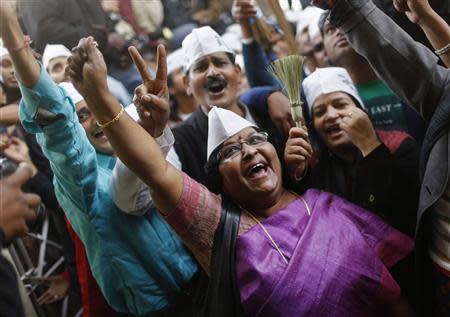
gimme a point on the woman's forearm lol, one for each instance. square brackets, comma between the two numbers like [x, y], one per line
[438, 33]
[139, 151]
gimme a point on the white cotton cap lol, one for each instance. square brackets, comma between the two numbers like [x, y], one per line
[328, 80]
[3, 50]
[52, 51]
[201, 42]
[72, 92]
[306, 16]
[313, 28]
[233, 41]
[239, 60]
[175, 61]
[223, 124]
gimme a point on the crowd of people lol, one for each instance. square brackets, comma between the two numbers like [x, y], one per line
[179, 184]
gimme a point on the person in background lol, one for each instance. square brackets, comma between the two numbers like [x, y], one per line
[140, 265]
[412, 71]
[255, 220]
[54, 61]
[374, 169]
[16, 210]
[182, 105]
[385, 109]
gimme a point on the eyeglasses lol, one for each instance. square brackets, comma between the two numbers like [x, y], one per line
[230, 151]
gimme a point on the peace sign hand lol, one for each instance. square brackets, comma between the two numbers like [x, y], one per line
[152, 96]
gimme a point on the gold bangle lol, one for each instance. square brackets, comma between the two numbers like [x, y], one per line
[116, 118]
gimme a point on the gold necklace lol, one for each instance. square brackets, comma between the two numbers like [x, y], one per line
[267, 232]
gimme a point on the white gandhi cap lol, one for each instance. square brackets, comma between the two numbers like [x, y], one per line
[223, 124]
[328, 80]
[201, 42]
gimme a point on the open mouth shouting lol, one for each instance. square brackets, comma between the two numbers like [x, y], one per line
[333, 131]
[98, 133]
[215, 85]
[257, 170]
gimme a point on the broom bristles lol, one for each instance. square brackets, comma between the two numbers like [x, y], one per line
[288, 71]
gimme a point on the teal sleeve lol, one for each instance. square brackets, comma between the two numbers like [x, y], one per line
[64, 142]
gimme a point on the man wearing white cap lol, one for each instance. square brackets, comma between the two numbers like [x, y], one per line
[54, 61]
[375, 169]
[182, 105]
[212, 77]
[8, 78]
[139, 264]
[386, 110]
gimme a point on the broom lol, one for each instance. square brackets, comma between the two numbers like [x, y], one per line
[288, 71]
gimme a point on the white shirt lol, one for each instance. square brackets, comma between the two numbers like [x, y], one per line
[132, 195]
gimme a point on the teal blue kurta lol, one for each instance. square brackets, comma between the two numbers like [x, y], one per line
[139, 262]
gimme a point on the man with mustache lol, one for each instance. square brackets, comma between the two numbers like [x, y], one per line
[212, 78]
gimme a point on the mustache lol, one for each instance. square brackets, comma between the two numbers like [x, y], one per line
[215, 81]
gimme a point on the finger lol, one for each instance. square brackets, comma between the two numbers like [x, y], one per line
[298, 150]
[15, 140]
[143, 112]
[140, 64]
[33, 200]
[74, 77]
[161, 66]
[42, 300]
[298, 133]
[91, 48]
[152, 102]
[296, 159]
[301, 143]
[21, 175]
[140, 90]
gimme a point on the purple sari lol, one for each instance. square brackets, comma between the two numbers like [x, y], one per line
[338, 261]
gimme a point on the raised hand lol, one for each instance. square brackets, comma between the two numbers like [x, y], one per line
[297, 153]
[16, 207]
[87, 69]
[243, 10]
[17, 151]
[152, 96]
[358, 127]
[415, 10]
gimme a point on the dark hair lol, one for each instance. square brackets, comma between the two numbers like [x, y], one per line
[323, 18]
[213, 178]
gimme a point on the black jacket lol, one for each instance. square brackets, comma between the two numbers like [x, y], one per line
[385, 182]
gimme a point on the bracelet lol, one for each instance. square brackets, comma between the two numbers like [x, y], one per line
[26, 44]
[116, 118]
[443, 50]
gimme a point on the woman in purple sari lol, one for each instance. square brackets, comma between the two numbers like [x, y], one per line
[289, 255]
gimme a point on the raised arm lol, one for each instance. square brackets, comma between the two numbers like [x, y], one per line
[25, 66]
[434, 27]
[134, 146]
[409, 68]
